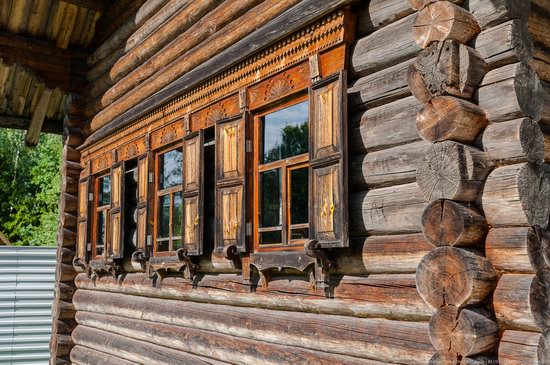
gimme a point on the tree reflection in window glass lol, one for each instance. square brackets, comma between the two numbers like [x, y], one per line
[271, 198]
[171, 169]
[285, 133]
[105, 191]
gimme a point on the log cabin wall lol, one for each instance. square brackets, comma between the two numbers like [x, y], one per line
[378, 307]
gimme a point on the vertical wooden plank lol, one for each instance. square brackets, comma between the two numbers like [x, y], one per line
[328, 162]
[193, 192]
[116, 249]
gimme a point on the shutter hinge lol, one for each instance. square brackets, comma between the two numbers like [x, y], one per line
[91, 197]
[248, 146]
[151, 177]
[249, 229]
[149, 240]
[89, 247]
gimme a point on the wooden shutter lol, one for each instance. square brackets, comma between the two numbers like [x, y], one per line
[84, 208]
[145, 168]
[116, 247]
[193, 193]
[328, 161]
[231, 183]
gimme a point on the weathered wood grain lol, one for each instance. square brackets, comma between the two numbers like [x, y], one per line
[517, 195]
[449, 118]
[385, 126]
[519, 347]
[451, 170]
[380, 88]
[391, 210]
[513, 302]
[515, 141]
[494, 12]
[449, 223]
[390, 254]
[380, 13]
[446, 68]
[468, 331]
[363, 338]
[443, 20]
[392, 166]
[518, 249]
[506, 43]
[386, 47]
[455, 276]
[383, 296]
[510, 92]
[84, 356]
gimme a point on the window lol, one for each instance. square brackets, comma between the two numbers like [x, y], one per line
[282, 175]
[102, 215]
[169, 206]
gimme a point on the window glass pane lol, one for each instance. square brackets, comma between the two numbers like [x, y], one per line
[299, 196]
[177, 244]
[271, 214]
[299, 233]
[170, 169]
[162, 245]
[104, 191]
[267, 238]
[285, 133]
[177, 217]
[101, 229]
[164, 217]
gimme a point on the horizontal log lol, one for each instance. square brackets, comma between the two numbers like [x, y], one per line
[542, 68]
[443, 20]
[296, 18]
[515, 141]
[363, 338]
[494, 12]
[510, 92]
[65, 272]
[393, 166]
[385, 126]
[449, 223]
[450, 118]
[392, 254]
[518, 249]
[468, 331]
[65, 290]
[178, 343]
[452, 170]
[129, 349]
[63, 310]
[512, 301]
[380, 13]
[419, 4]
[386, 47]
[539, 27]
[506, 43]
[386, 296]
[518, 347]
[84, 356]
[392, 210]
[517, 195]
[148, 58]
[65, 255]
[381, 87]
[455, 276]
[446, 68]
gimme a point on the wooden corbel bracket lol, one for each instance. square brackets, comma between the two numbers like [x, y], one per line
[140, 258]
[80, 264]
[322, 263]
[269, 262]
[163, 265]
[99, 268]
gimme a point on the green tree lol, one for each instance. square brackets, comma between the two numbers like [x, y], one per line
[29, 188]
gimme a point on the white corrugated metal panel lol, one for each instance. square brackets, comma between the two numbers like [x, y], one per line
[27, 282]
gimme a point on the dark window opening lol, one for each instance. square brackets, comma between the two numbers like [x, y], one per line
[130, 207]
[209, 189]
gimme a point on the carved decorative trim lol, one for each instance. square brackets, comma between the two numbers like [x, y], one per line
[101, 163]
[320, 36]
[133, 149]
